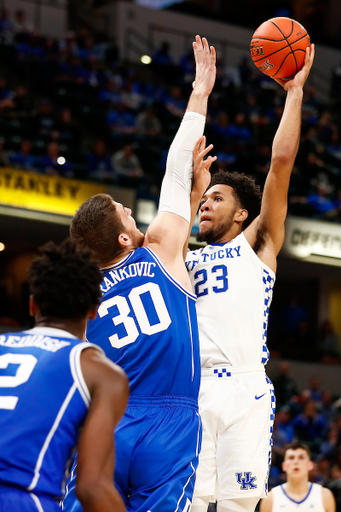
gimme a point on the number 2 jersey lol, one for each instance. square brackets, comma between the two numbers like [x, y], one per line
[147, 324]
[43, 403]
[234, 291]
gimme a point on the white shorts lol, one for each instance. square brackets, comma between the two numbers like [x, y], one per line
[237, 407]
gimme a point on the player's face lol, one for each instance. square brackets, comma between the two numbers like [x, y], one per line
[130, 225]
[216, 214]
[297, 463]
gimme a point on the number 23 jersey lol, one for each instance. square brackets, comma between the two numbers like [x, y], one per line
[147, 324]
[234, 291]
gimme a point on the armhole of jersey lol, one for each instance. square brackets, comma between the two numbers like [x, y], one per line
[168, 275]
[261, 263]
[76, 370]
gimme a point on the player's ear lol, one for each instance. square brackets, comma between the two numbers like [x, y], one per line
[124, 240]
[33, 308]
[311, 465]
[92, 313]
[242, 214]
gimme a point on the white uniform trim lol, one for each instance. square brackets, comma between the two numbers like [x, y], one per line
[183, 490]
[37, 502]
[312, 502]
[76, 369]
[49, 437]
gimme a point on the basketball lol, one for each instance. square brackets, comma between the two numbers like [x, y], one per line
[278, 47]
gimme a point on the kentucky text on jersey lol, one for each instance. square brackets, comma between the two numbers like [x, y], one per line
[113, 277]
[227, 252]
[38, 341]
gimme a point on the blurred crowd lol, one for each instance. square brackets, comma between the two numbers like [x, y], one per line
[313, 417]
[72, 107]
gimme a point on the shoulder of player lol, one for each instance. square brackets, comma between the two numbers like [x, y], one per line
[266, 503]
[328, 500]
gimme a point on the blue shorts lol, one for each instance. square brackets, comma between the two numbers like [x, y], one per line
[15, 500]
[157, 446]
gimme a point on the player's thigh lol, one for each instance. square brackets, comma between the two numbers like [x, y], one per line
[164, 460]
[212, 393]
[244, 439]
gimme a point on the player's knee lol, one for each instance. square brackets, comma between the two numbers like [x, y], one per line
[238, 505]
[200, 504]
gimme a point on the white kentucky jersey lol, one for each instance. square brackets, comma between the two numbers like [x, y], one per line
[311, 503]
[234, 291]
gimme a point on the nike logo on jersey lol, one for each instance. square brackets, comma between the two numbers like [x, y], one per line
[258, 397]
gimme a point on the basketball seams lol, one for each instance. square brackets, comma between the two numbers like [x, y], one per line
[281, 49]
[280, 30]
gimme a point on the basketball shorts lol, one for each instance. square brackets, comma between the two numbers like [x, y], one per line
[237, 407]
[15, 500]
[157, 445]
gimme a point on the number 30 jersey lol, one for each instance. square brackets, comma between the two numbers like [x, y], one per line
[147, 324]
[43, 403]
[234, 291]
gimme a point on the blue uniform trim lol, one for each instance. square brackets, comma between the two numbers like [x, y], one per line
[118, 264]
[221, 372]
[298, 502]
[163, 401]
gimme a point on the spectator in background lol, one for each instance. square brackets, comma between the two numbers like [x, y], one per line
[310, 427]
[45, 121]
[54, 163]
[99, 163]
[4, 159]
[6, 27]
[24, 159]
[284, 423]
[330, 446]
[315, 389]
[68, 130]
[122, 124]
[148, 125]
[285, 386]
[326, 407]
[21, 24]
[163, 64]
[328, 342]
[127, 167]
[175, 103]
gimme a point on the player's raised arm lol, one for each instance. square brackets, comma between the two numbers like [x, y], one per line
[270, 224]
[168, 232]
[109, 390]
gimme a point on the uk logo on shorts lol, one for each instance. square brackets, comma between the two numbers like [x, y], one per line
[247, 481]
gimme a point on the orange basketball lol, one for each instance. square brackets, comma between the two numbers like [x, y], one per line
[278, 47]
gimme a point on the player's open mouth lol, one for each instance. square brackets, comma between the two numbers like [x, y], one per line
[203, 219]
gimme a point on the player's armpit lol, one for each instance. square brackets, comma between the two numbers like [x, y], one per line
[109, 390]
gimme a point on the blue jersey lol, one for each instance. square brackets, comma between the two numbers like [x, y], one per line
[43, 402]
[147, 324]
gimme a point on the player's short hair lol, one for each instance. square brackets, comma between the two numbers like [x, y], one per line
[65, 281]
[296, 445]
[247, 194]
[96, 226]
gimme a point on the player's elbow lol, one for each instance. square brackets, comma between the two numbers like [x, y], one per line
[285, 156]
[93, 493]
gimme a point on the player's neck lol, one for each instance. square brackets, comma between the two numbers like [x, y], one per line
[74, 327]
[229, 235]
[118, 258]
[297, 487]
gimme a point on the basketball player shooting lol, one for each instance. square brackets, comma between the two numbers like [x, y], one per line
[298, 493]
[233, 278]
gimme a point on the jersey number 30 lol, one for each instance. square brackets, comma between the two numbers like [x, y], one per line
[122, 305]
